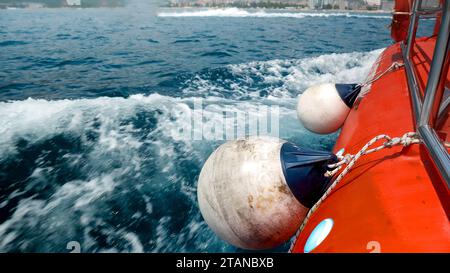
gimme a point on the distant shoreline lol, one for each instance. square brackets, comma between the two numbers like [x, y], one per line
[279, 9]
[292, 9]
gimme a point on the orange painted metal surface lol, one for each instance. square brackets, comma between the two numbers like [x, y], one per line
[393, 198]
[400, 19]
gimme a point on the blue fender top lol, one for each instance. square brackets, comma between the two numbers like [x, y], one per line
[348, 93]
[304, 171]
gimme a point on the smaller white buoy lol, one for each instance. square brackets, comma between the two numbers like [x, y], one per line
[323, 108]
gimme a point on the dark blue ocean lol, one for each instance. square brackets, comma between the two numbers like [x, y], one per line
[90, 100]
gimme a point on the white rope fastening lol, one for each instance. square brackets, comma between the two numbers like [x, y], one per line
[350, 160]
[393, 66]
[406, 140]
[364, 91]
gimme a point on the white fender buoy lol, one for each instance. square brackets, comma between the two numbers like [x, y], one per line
[323, 108]
[243, 194]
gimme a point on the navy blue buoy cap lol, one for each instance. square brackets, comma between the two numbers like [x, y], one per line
[348, 93]
[304, 171]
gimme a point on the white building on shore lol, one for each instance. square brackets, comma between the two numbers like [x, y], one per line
[73, 2]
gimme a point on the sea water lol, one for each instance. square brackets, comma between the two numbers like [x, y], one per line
[90, 100]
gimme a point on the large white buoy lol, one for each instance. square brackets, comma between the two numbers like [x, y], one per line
[243, 195]
[321, 108]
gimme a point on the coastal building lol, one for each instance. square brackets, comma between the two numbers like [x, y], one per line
[373, 2]
[387, 5]
[73, 2]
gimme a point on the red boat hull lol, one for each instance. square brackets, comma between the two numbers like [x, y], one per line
[392, 200]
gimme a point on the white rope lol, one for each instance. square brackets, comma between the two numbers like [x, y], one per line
[365, 91]
[393, 66]
[350, 160]
[405, 140]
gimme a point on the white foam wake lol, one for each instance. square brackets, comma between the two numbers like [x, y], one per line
[285, 79]
[34, 119]
[126, 151]
[235, 12]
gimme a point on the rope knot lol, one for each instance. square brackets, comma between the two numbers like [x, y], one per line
[347, 158]
[407, 141]
[410, 138]
[392, 142]
[398, 65]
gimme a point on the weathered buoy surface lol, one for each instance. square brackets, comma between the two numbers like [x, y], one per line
[243, 195]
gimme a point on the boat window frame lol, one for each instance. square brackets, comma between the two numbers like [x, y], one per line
[426, 107]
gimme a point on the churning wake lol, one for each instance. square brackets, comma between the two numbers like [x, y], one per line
[236, 12]
[111, 173]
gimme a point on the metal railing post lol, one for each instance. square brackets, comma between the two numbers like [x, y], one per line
[412, 27]
[425, 112]
[410, 72]
[433, 92]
